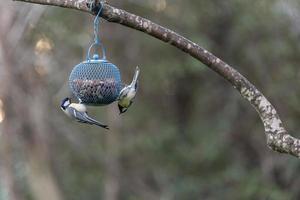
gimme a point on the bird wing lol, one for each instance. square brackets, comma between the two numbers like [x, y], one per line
[121, 94]
[84, 118]
[95, 121]
[133, 84]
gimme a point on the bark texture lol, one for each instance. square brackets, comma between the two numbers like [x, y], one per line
[278, 138]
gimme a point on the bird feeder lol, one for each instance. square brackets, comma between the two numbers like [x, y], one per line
[96, 81]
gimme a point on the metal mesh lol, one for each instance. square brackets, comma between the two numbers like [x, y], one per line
[96, 82]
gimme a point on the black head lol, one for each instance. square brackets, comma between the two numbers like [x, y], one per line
[65, 103]
[122, 109]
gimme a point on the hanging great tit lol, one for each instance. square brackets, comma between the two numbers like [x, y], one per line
[128, 93]
[78, 112]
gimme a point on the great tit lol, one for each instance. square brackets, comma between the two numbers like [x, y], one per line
[128, 93]
[78, 112]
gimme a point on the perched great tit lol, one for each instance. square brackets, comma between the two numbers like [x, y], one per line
[128, 93]
[78, 112]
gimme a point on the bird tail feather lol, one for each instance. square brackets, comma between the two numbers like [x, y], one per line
[135, 77]
[96, 122]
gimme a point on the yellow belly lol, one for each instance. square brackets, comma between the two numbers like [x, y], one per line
[125, 102]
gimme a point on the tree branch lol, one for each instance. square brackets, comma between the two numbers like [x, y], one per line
[277, 137]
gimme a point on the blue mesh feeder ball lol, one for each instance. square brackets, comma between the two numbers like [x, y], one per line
[95, 81]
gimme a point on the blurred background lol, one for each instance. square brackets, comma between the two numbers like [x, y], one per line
[188, 135]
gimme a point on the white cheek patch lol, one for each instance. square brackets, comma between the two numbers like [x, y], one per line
[66, 103]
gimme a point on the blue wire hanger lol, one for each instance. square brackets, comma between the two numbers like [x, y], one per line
[97, 39]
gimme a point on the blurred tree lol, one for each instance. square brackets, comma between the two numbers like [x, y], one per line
[25, 128]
